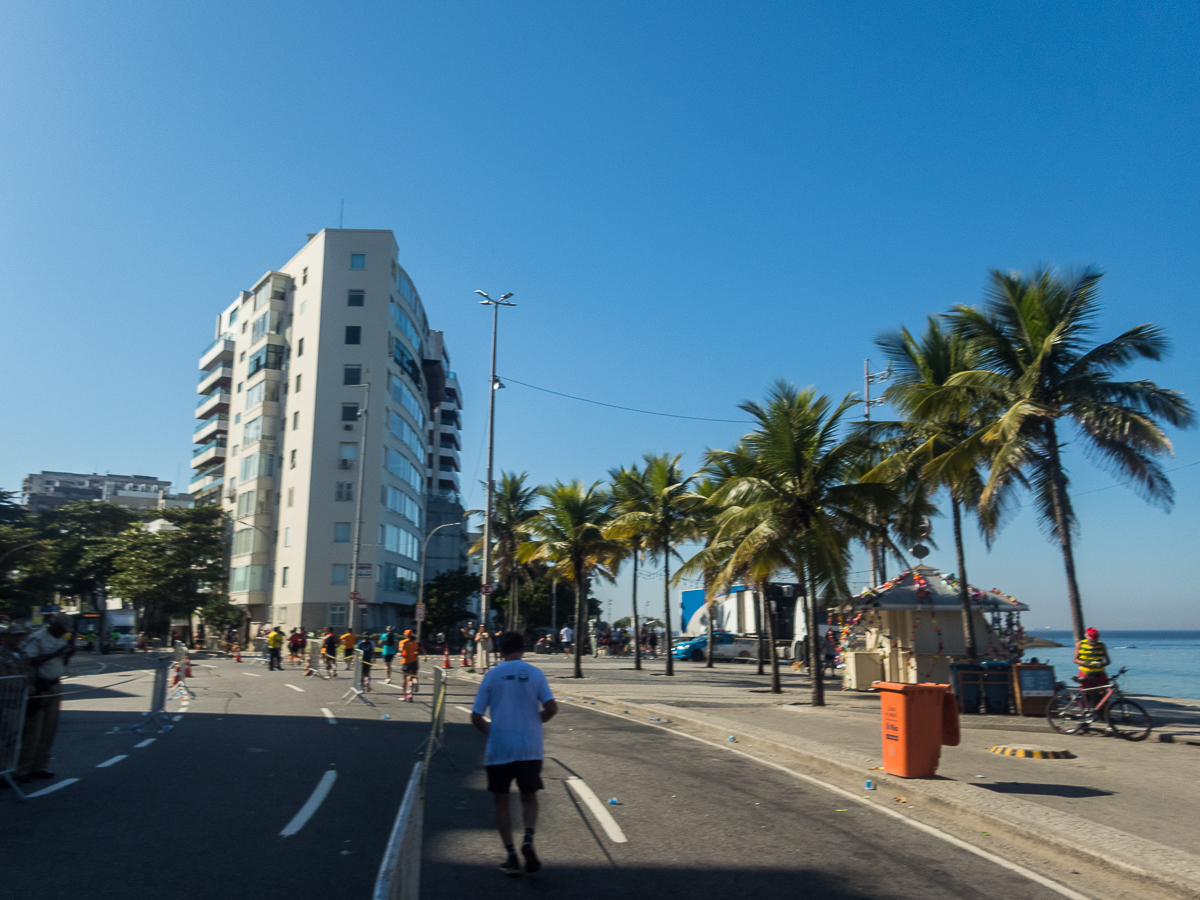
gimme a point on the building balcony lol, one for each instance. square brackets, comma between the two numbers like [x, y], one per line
[211, 404]
[220, 350]
[206, 481]
[210, 428]
[221, 376]
[209, 454]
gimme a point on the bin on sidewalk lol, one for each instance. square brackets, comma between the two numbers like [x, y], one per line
[968, 686]
[997, 686]
[917, 720]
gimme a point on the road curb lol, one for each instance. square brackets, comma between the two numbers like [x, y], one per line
[1030, 825]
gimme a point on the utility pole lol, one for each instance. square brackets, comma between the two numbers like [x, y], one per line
[493, 386]
[870, 378]
[362, 452]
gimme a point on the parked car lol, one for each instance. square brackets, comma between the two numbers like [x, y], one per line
[726, 645]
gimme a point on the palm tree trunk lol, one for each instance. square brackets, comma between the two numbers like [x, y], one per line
[1058, 499]
[709, 655]
[964, 599]
[816, 653]
[580, 620]
[772, 652]
[667, 605]
[637, 631]
[760, 590]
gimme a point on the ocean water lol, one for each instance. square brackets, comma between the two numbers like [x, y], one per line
[1163, 663]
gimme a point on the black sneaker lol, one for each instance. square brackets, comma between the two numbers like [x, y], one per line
[511, 866]
[532, 863]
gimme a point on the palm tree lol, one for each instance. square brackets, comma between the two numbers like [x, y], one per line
[512, 508]
[667, 515]
[793, 508]
[931, 429]
[1033, 335]
[630, 493]
[570, 532]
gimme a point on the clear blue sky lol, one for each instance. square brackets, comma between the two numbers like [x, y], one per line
[688, 199]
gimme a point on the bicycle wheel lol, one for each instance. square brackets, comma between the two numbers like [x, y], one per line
[1127, 719]
[1067, 713]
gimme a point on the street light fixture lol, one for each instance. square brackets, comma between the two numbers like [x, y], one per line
[493, 385]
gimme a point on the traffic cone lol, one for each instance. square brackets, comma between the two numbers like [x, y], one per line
[446, 659]
[237, 653]
[187, 667]
[176, 679]
[462, 664]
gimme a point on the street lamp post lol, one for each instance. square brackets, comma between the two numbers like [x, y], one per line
[493, 386]
[362, 450]
[421, 572]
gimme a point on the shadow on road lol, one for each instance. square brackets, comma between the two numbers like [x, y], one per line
[1071, 791]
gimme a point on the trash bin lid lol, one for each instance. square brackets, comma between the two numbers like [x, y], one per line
[908, 688]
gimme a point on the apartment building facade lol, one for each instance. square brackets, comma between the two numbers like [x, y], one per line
[47, 490]
[321, 431]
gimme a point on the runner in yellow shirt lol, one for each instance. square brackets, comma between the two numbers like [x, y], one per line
[348, 642]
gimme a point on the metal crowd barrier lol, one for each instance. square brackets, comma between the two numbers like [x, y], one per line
[183, 667]
[356, 682]
[313, 664]
[437, 724]
[399, 875]
[157, 714]
[14, 694]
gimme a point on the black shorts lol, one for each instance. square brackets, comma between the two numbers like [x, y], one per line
[528, 773]
[408, 668]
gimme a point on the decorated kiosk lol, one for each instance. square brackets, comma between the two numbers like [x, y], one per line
[910, 630]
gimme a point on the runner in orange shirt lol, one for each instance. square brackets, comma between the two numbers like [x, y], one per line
[348, 642]
[409, 651]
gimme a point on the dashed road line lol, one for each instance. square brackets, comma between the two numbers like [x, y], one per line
[330, 716]
[253, 674]
[54, 787]
[146, 743]
[320, 792]
[294, 688]
[176, 718]
[113, 761]
[603, 816]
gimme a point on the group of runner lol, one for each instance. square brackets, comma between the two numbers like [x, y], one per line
[387, 645]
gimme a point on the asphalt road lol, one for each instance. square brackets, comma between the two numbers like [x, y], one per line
[201, 811]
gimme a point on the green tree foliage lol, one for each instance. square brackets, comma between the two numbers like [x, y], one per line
[447, 600]
[11, 512]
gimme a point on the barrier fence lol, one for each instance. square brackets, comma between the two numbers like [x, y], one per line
[183, 671]
[157, 714]
[399, 875]
[437, 725]
[14, 694]
[356, 682]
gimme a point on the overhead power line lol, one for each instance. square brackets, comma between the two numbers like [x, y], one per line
[646, 412]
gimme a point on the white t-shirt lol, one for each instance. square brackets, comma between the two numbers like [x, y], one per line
[514, 691]
[565, 634]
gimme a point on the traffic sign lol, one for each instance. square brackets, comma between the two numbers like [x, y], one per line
[355, 595]
[420, 612]
[485, 589]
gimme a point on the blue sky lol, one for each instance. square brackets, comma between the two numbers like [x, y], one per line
[689, 200]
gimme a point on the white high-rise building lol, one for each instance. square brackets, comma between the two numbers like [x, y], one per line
[329, 423]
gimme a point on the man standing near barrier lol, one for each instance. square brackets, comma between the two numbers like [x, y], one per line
[275, 649]
[520, 701]
[409, 659]
[348, 642]
[389, 643]
[48, 653]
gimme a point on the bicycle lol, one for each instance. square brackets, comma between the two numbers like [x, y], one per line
[1070, 711]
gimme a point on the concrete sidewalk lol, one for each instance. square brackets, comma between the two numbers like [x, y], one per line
[1133, 807]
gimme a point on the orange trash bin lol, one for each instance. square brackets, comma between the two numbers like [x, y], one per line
[917, 720]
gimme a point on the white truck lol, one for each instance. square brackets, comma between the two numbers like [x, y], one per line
[120, 635]
[737, 613]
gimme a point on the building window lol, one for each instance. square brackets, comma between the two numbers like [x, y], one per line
[244, 324]
[283, 577]
[295, 422]
[337, 615]
[300, 347]
[242, 358]
[303, 306]
[341, 532]
[353, 334]
[239, 390]
[298, 377]
[351, 375]
[358, 260]
[356, 298]
[341, 574]
[269, 357]
[233, 316]
[291, 496]
[349, 412]
[348, 452]
[292, 460]
[344, 490]
[304, 276]
[287, 537]
[243, 541]
[237, 418]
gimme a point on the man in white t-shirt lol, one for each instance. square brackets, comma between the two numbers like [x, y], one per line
[520, 701]
[564, 638]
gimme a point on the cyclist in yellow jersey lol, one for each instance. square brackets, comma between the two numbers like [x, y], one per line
[1092, 658]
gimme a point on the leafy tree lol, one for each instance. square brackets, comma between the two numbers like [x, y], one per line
[448, 598]
[1037, 363]
[570, 532]
[512, 508]
[219, 613]
[11, 512]
[630, 491]
[789, 506]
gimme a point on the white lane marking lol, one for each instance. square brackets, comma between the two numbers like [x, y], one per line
[54, 787]
[592, 802]
[113, 761]
[920, 826]
[203, 666]
[176, 718]
[320, 792]
[294, 688]
[330, 716]
[468, 712]
[146, 743]
[252, 674]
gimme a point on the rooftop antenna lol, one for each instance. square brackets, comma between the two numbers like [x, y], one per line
[341, 214]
